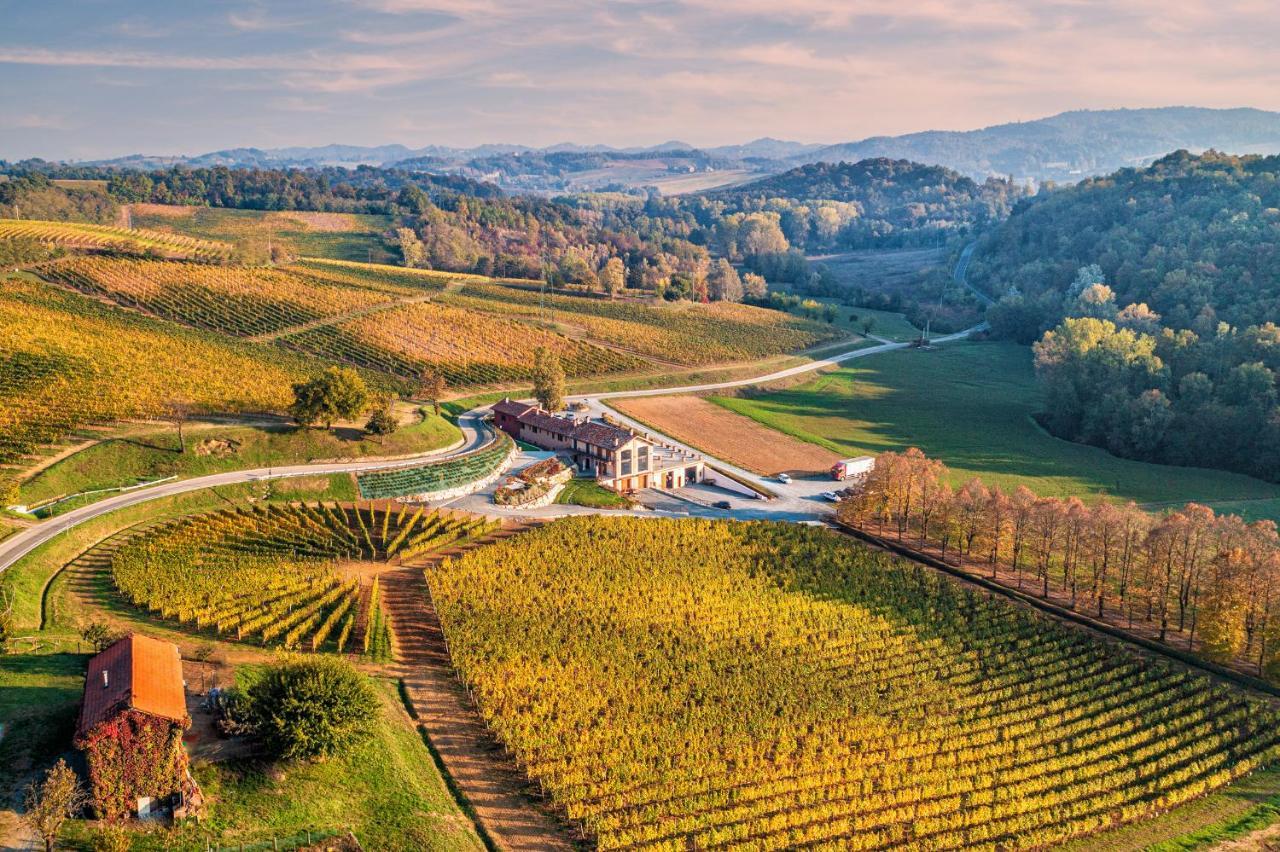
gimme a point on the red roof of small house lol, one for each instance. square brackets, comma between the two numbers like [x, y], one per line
[136, 673]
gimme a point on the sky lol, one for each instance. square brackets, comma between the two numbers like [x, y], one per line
[101, 78]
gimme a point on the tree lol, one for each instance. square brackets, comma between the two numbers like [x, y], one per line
[336, 394]
[49, 804]
[383, 421]
[178, 412]
[98, 635]
[413, 252]
[723, 282]
[868, 323]
[755, 285]
[431, 387]
[548, 379]
[311, 708]
[613, 276]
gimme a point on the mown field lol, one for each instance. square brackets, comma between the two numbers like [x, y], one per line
[971, 405]
[342, 236]
[727, 685]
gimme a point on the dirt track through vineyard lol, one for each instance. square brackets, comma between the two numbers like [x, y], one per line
[485, 777]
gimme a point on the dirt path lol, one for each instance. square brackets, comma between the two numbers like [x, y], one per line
[505, 807]
[337, 318]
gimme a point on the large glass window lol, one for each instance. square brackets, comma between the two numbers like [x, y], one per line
[642, 459]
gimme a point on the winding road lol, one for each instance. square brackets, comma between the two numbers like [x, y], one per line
[797, 500]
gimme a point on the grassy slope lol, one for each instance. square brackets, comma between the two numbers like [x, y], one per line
[153, 455]
[387, 791]
[248, 229]
[970, 404]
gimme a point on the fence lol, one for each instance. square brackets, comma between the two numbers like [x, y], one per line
[301, 840]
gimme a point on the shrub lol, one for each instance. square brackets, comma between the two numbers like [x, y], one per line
[311, 708]
[382, 422]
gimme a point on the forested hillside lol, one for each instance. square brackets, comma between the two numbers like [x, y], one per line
[879, 202]
[1154, 294]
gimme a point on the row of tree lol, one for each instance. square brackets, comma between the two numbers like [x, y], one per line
[1207, 580]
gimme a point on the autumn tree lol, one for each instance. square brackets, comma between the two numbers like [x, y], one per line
[431, 387]
[339, 393]
[613, 276]
[49, 804]
[548, 379]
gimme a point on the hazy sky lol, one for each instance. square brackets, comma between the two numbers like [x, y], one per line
[94, 78]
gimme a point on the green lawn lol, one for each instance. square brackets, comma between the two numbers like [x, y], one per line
[883, 323]
[154, 455]
[588, 492]
[970, 405]
[39, 698]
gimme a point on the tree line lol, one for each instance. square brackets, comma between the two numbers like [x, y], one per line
[1207, 582]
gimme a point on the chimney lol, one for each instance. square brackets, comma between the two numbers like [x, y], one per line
[105, 684]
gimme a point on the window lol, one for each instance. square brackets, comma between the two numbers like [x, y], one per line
[642, 459]
[626, 467]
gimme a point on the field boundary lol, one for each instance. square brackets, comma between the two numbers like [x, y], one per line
[1222, 672]
[488, 784]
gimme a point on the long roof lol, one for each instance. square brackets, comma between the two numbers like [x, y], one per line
[594, 433]
[142, 674]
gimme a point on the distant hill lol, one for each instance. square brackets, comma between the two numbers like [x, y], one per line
[865, 181]
[1064, 148]
[1073, 145]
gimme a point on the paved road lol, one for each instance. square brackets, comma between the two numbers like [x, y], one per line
[961, 274]
[475, 434]
[795, 501]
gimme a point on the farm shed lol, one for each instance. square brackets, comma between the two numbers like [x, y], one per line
[130, 728]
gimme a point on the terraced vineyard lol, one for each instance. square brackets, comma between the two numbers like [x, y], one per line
[698, 684]
[686, 333]
[271, 573]
[102, 238]
[467, 347]
[66, 361]
[434, 477]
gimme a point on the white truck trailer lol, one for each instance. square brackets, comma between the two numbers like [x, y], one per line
[855, 468]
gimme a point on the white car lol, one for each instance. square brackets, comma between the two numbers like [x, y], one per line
[831, 495]
[784, 479]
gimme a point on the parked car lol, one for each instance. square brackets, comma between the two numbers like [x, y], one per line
[784, 479]
[831, 495]
[722, 504]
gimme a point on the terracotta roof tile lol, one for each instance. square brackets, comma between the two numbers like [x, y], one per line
[137, 673]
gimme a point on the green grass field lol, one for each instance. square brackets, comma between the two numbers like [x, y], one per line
[970, 405]
[884, 324]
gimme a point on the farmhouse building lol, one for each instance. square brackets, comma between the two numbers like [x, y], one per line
[130, 727]
[618, 458]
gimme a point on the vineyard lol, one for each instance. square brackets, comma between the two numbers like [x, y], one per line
[689, 334]
[66, 361]
[760, 686]
[241, 301]
[271, 573]
[466, 347]
[435, 477]
[101, 238]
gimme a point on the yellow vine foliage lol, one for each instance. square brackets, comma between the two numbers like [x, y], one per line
[686, 684]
